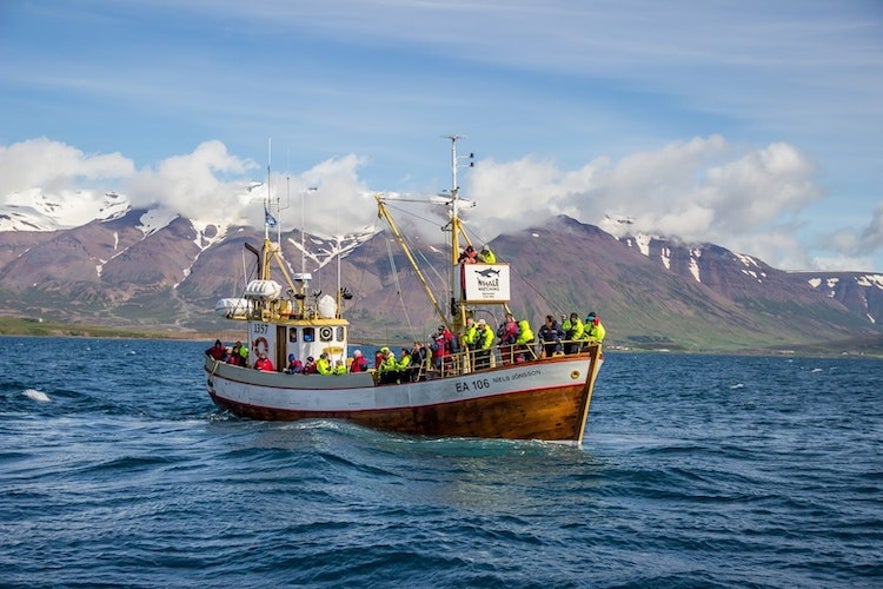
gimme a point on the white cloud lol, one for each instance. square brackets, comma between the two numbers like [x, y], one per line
[207, 184]
[54, 167]
[700, 190]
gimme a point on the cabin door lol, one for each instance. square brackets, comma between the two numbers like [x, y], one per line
[281, 359]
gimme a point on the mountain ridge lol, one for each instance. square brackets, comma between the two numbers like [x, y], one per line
[146, 268]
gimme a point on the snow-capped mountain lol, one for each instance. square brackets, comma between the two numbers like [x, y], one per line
[152, 267]
[34, 210]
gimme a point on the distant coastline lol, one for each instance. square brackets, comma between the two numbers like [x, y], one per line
[25, 326]
[870, 347]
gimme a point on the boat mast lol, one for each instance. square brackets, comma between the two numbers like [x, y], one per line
[458, 309]
[455, 202]
[267, 249]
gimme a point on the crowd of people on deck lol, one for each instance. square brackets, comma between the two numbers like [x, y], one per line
[514, 339]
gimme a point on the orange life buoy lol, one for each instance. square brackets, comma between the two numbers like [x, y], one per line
[260, 346]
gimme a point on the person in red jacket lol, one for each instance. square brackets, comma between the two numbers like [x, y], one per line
[264, 363]
[218, 351]
[359, 363]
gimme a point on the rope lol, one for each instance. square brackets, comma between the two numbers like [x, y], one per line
[395, 277]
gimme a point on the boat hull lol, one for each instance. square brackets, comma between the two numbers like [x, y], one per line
[544, 400]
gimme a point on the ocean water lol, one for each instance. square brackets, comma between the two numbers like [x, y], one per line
[696, 471]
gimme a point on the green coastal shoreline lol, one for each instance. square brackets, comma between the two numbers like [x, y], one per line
[871, 347]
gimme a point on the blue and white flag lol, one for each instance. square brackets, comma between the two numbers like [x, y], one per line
[268, 218]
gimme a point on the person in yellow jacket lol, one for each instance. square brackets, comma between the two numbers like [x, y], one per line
[469, 333]
[486, 256]
[389, 367]
[522, 343]
[573, 333]
[595, 332]
[404, 365]
[323, 365]
[484, 339]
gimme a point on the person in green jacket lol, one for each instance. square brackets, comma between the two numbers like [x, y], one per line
[388, 370]
[484, 339]
[469, 334]
[404, 366]
[522, 343]
[323, 365]
[573, 333]
[486, 256]
[595, 332]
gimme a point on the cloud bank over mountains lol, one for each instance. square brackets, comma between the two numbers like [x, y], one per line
[701, 190]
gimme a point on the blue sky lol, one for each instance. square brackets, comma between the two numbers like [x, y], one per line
[756, 125]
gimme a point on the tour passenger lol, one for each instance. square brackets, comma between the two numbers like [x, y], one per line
[323, 364]
[524, 341]
[295, 366]
[468, 256]
[403, 366]
[595, 331]
[551, 335]
[508, 333]
[486, 256]
[359, 363]
[442, 346]
[218, 351]
[573, 333]
[484, 339]
[388, 370]
[264, 363]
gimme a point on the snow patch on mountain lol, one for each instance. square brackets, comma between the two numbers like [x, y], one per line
[32, 210]
[155, 219]
[208, 234]
[871, 280]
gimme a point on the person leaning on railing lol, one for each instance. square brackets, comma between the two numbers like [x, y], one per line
[573, 333]
[594, 332]
[551, 335]
[524, 341]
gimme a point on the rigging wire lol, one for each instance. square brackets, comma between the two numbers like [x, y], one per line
[395, 276]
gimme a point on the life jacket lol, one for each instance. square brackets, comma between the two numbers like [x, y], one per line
[484, 338]
[323, 366]
[526, 335]
[487, 257]
[573, 330]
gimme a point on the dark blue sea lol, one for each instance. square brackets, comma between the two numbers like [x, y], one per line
[696, 471]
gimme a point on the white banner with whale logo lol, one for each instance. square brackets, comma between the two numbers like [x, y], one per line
[485, 283]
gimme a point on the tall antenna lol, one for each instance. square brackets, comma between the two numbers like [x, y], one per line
[267, 198]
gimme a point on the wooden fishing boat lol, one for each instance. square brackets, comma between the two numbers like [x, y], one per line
[513, 393]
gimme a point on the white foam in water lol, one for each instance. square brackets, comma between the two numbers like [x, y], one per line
[35, 395]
